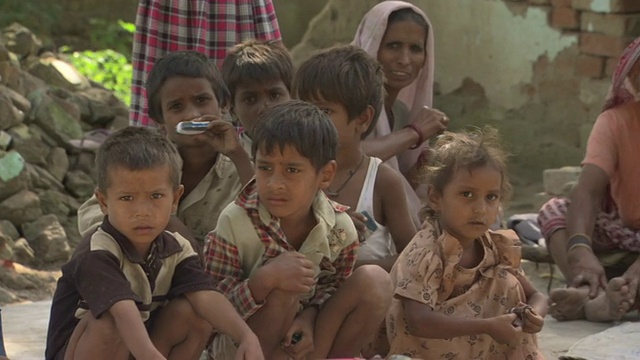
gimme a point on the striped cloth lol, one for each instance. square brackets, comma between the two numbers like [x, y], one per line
[207, 26]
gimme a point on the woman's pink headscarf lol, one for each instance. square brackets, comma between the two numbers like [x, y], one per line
[417, 94]
[618, 93]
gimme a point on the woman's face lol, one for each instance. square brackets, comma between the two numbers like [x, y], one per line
[402, 53]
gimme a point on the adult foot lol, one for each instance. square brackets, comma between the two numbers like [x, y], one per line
[612, 304]
[568, 303]
[620, 299]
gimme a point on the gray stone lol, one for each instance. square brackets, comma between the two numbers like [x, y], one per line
[11, 279]
[104, 107]
[7, 228]
[20, 40]
[42, 179]
[54, 120]
[4, 53]
[5, 140]
[19, 101]
[57, 203]
[22, 252]
[58, 163]
[21, 208]
[6, 247]
[6, 296]
[9, 114]
[58, 73]
[79, 184]
[555, 180]
[47, 238]
[83, 161]
[13, 174]
[29, 145]
[71, 228]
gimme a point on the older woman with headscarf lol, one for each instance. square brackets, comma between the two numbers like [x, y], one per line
[594, 235]
[400, 36]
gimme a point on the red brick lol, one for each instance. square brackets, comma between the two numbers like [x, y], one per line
[607, 6]
[610, 66]
[603, 45]
[610, 24]
[565, 18]
[561, 3]
[590, 66]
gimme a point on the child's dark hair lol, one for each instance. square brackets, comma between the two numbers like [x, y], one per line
[182, 63]
[465, 151]
[254, 60]
[301, 125]
[136, 148]
[408, 14]
[343, 74]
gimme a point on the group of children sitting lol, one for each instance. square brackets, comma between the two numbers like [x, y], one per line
[274, 236]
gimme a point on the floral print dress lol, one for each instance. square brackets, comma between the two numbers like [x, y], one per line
[427, 271]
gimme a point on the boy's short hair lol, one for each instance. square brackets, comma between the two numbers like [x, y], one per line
[301, 125]
[136, 148]
[182, 63]
[254, 60]
[344, 74]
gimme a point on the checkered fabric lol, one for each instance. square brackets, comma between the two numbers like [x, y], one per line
[210, 27]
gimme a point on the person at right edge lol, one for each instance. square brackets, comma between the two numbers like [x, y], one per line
[594, 235]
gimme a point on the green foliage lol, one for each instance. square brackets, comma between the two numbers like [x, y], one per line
[38, 15]
[117, 36]
[110, 66]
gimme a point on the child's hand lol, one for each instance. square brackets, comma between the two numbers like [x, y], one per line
[220, 135]
[503, 330]
[532, 321]
[298, 341]
[292, 271]
[249, 348]
[359, 221]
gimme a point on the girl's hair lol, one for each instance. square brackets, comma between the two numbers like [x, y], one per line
[407, 14]
[467, 150]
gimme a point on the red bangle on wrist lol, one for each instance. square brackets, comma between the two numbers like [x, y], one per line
[420, 135]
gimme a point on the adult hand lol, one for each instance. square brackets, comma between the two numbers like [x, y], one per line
[430, 121]
[585, 269]
[291, 271]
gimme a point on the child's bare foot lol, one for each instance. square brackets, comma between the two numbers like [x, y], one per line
[568, 303]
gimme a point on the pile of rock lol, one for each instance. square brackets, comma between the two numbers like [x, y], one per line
[50, 119]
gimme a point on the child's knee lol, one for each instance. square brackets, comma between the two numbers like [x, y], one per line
[103, 328]
[373, 284]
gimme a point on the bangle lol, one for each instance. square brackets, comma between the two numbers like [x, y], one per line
[579, 245]
[577, 240]
[420, 135]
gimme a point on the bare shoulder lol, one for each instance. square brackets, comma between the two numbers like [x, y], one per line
[389, 179]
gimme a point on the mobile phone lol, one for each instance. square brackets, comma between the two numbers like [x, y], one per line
[370, 223]
[192, 127]
[295, 338]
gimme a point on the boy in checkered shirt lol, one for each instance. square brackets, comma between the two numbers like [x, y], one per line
[283, 253]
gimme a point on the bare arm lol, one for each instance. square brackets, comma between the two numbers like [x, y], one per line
[425, 322]
[218, 311]
[586, 200]
[388, 146]
[132, 330]
[243, 164]
[394, 214]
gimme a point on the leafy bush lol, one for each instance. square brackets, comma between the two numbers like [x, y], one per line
[109, 67]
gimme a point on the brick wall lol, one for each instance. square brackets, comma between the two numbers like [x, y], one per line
[604, 28]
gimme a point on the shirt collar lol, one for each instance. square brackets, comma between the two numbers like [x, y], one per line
[163, 246]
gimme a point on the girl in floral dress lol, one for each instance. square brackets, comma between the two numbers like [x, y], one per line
[460, 292]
